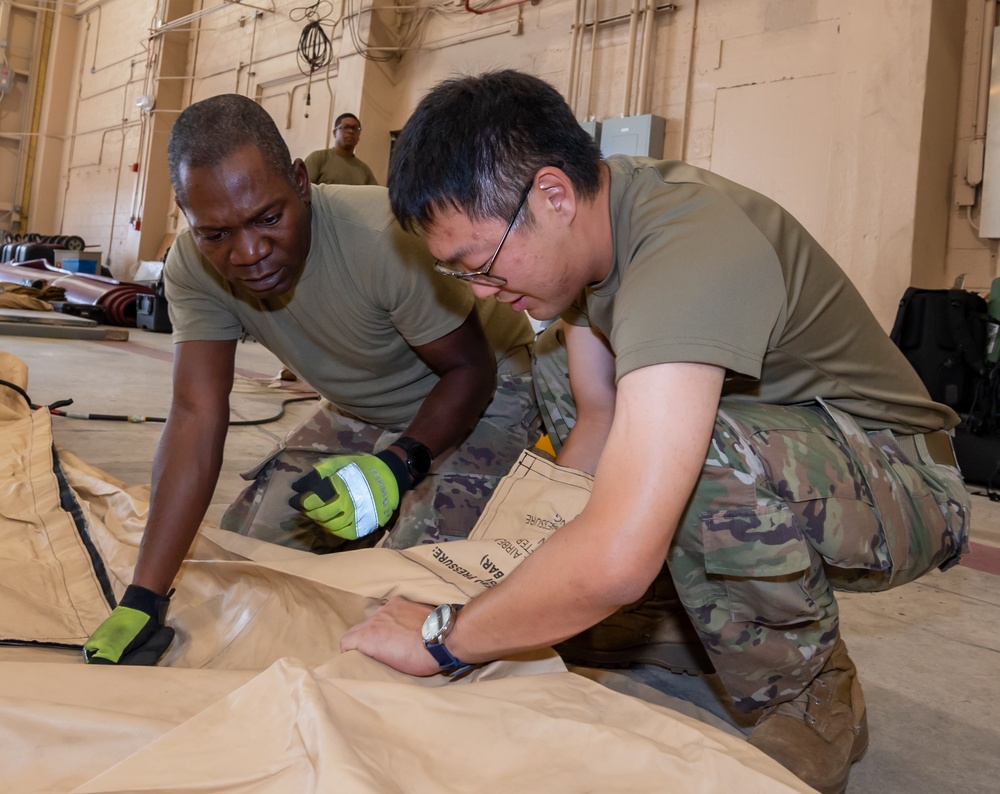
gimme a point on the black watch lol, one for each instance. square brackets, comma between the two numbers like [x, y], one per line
[418, 457]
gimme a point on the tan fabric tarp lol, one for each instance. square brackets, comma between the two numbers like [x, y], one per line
[254, 695]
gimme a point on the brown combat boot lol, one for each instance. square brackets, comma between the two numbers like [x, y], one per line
[654, 630]
[823, 731]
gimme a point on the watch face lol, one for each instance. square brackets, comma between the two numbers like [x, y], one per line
[435, 623]
[421, 460]
[418, 458]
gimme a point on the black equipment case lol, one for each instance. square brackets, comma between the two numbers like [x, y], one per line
[943, 334]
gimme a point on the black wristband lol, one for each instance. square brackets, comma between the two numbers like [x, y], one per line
[398, 468]
[418, 457]
[147, 601]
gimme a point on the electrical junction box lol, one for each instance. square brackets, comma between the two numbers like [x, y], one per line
[6, 78]
[594, 128]
[641, 136]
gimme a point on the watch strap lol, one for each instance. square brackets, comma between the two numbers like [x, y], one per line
[418, 457]
[447, 661]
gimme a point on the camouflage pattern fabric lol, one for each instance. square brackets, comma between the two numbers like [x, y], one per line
[551, 380]
[445, 506]
[794, 502]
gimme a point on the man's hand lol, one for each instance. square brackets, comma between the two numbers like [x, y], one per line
[392, 636]
[351, 495]
[134, 633]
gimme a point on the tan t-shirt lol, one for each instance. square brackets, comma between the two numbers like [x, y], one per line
[708, 271]
[367, 295]
[329, 167]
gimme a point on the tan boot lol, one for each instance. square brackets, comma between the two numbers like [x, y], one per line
[823, 731]
[654, 630]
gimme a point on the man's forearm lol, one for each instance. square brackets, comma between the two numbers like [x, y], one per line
[565, 586]
[185, 471]
[609, 554]
[582, 448]
[453, 407]
[508, 620]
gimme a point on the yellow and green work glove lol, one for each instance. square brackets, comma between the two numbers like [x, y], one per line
[351, 496]
[134, 633]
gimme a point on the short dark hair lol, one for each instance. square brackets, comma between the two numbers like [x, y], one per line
[474, 142]
[209, 131]
[342, 116]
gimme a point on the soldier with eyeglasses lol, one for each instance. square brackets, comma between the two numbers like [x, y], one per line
[340, 165]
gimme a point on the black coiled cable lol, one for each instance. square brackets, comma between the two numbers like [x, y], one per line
[315, 49]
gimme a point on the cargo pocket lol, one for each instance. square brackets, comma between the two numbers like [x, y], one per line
[812, 469]
[897, 492]
[762, 559]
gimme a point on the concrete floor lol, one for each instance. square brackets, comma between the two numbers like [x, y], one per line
[928, 653]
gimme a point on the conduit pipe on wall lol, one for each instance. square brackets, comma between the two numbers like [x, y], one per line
[576, 47]
[682, 134]
[142, 160]
[574, 37]
[249, 64]
[94, 68]
[75, 106]
[977, 150]
[472, 10]
[97, 35]
[118, 176]
[291, 105]
[578, 62]
[253, 45]
[139, 188]
[488, 31]
[43, 38]
[100, 151]
[645, 57]
[24, 134]
[593, 56]
[633, 23]
[159, 30]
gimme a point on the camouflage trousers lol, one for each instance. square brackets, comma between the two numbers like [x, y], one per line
[444, 506]
[794, 502]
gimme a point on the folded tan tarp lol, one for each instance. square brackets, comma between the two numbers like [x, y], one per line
[254, 695]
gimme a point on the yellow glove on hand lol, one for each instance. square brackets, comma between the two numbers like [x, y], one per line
[351, 496]
[134, 633]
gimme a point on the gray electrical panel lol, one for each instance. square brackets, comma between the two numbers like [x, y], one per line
[637, 135]
[594, 128]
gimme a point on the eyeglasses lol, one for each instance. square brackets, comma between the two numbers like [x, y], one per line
[348, 127]
[482, 276]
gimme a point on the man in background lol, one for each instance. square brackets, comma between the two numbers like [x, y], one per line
[339, 165]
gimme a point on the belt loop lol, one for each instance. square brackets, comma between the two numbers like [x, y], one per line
[924, 454]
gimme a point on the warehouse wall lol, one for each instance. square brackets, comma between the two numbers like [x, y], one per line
[968, 255]
[836, 109]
